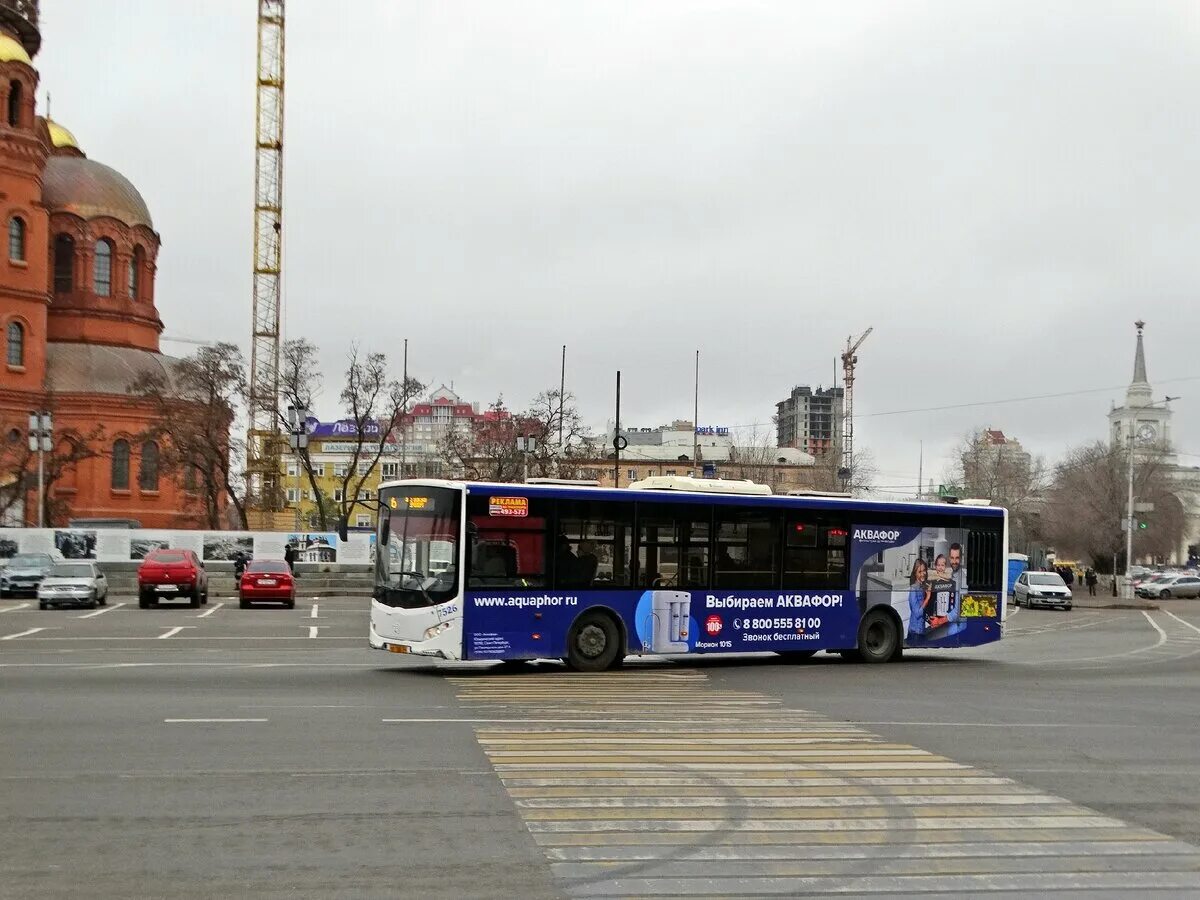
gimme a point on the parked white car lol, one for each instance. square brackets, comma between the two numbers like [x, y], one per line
[1041, 589]
[73, 583]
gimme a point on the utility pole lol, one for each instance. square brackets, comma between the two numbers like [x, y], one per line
[404, 414]
[41, 439]
[696, 470]
[562, 395]
[921, 472]
[619, 442]
[849, 361]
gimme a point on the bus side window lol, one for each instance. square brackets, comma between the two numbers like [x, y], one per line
[747, 548]
[594, 544]
[506, 551]
[672, 546]
[983, 556]
[814, 554]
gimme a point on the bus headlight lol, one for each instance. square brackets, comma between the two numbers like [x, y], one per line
[436, 630]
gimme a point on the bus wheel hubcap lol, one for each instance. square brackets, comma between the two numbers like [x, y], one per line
[876, 639]
[592, 641]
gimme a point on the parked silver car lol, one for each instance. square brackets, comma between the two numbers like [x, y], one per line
[74, 583]
[1041, 589]
[1171, 586]
[23, 573]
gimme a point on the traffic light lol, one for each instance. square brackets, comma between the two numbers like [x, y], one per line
[1142, 525]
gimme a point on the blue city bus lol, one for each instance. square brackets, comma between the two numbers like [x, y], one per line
[589, 575]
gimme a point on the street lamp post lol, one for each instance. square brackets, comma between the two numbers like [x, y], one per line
[41, 440]
[298, 439]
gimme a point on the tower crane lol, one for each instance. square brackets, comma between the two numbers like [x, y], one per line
[263, 445]
[849, 361]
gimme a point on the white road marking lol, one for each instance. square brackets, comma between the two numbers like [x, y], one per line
[209, 612]
[313, 614]
[182, 721]
[100, 611]
[312, 630]
[171, 632]
[1161, 634]
[20, 634]
[1182, 622]
[15, 608]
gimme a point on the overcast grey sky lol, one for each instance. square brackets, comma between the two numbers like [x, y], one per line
[1000, 189]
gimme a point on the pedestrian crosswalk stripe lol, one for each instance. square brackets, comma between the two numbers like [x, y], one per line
[656, 783]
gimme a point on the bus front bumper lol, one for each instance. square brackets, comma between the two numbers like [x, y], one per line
[447, 645]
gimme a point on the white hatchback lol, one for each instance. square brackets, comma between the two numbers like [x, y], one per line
[1041, 589]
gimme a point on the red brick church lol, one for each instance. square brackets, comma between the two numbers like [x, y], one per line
[78, 313]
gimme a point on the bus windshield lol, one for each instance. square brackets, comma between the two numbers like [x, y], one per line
[416, 563]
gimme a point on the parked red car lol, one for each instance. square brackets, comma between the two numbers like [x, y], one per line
[267, 581]
[170, 574]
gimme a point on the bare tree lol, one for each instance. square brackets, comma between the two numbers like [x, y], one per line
[299, 384]
[1086, 505]
[19, 466]
[754, 457]
[193, 414]
[563, 445]
[488, 450]
[828, 475]
[1004, 475]
[374, 405]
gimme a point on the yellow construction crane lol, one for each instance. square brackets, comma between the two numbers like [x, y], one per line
[264, 442]
[849, 361]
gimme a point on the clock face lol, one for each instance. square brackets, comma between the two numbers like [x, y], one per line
[1146, 433]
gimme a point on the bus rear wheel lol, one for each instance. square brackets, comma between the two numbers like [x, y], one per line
[878, 638]
[594, 643]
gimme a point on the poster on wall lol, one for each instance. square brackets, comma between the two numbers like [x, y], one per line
[112, 545]
[922, 574]
[141, 543]
[224, 546]
[314, 548]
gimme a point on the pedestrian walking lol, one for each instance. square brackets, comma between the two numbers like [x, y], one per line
[289, 556]
[1089, 578]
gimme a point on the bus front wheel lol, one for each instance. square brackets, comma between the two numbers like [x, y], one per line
[878, 637]
[594, 643]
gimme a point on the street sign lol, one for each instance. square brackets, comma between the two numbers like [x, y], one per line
[1143, 507]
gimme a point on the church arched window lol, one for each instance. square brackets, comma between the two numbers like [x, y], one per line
[120, 465]
[16, 344]
[64, 264]
[15, 95]
[136, 262]
[16, 239]
[148, 470]
[102, 271]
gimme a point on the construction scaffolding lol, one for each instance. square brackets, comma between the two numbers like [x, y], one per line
[264, 441]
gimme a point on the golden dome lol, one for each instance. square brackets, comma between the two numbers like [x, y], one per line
[12, 51]
[59, 136]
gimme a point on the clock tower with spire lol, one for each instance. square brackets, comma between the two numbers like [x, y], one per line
[1140, 419]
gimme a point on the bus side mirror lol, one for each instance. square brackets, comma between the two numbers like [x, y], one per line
[342, 530]
[385, 529]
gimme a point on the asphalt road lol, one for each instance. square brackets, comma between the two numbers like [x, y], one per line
[267, 752]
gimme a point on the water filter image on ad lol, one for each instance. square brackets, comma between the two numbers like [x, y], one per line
[670, 613]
